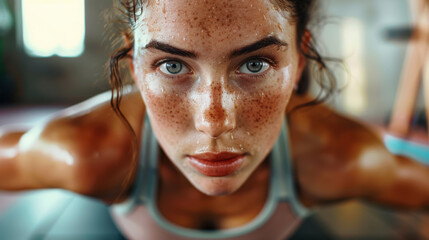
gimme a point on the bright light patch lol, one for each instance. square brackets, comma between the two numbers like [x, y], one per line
[53, 27]
[8, 153]
[353, 49]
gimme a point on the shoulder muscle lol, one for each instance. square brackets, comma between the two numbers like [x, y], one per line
[84, 148]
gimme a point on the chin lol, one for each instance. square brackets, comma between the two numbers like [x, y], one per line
[217, 186]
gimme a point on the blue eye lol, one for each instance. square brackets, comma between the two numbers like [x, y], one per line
[254, 66]
[173, 68]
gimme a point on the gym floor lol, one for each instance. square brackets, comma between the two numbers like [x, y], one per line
[58, 214]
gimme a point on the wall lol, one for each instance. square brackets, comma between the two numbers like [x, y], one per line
[56, 80]
[382, 59]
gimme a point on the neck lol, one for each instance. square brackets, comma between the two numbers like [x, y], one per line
[225, 211]
[296, 101]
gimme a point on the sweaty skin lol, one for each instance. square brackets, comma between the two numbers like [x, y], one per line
[212, 104]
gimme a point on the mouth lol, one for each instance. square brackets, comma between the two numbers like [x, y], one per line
[216, 164]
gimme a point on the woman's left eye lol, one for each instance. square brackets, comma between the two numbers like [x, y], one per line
[254, 66]
[173, 67]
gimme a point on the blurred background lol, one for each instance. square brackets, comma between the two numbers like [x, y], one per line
[53, 54]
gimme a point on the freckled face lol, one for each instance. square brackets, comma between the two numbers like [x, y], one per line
[206, 90]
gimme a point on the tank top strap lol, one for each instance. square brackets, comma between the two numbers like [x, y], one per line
[148, 187]
[140, 194]
[282, 162]
[148, 164]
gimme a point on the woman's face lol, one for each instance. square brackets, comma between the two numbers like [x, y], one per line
[216, 77]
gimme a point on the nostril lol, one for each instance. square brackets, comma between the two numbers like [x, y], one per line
[207, 131]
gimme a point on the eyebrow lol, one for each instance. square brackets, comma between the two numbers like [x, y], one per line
[170, 49]
[265, 42]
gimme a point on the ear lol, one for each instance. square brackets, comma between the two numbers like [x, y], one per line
[129, 43]
[302, 60]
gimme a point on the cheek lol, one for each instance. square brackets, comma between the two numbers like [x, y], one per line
[261, 109]
[169, 112]
[167, 108]
[262, 112]
[264, 109]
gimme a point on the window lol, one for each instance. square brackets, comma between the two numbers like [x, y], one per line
[353, 47]
[53, 27]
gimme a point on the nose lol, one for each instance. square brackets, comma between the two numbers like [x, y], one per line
[216, 113]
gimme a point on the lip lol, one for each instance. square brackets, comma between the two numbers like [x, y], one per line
[216, 164]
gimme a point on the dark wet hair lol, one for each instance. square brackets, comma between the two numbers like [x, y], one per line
[127, 12]
[316, 69]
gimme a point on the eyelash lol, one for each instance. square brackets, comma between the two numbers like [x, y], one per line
[159, 62]
[272, 61]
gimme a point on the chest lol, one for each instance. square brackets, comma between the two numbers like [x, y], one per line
[182, 204]
[141, 224]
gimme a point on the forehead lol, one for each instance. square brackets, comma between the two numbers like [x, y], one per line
[208, 23]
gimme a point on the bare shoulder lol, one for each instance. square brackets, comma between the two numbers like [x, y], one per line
[94, 119]
[335, 154]
[85, 148]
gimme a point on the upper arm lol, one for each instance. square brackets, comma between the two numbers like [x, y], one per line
[372, 173]
[392, 180]
[337, 158]
[22, 156]
[10, 174]
[406, 184]
[88, 159]
[85, 149]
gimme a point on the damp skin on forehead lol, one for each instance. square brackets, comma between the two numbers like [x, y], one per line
[214, 108]
[208, 23]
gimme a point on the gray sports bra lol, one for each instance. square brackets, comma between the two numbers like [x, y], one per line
[282, 189]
